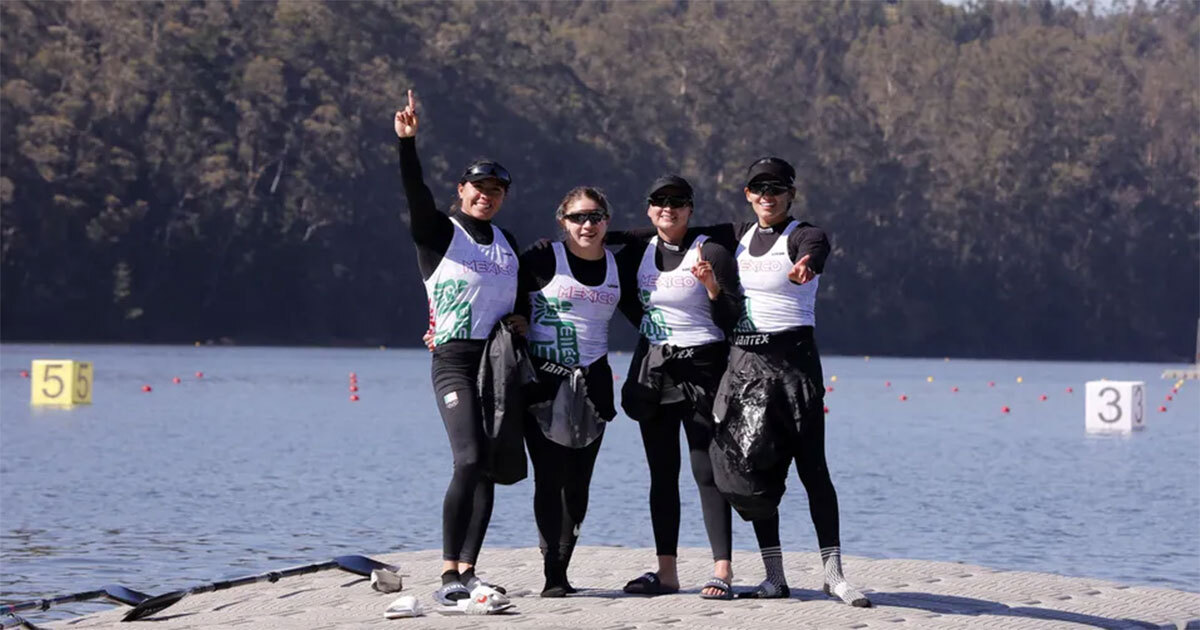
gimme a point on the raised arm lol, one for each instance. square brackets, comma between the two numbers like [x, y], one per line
[430, 227]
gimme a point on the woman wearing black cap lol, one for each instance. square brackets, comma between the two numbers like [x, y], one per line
[770, 404]
[469, 267]
[569, 292]
[681, 291]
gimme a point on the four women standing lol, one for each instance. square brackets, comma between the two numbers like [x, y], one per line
[682, 292]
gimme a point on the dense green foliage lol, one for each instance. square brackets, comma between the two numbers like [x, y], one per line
[999, 179]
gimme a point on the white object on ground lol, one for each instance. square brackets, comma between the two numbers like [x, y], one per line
[404, 606]
[386, 581]
[484, 600]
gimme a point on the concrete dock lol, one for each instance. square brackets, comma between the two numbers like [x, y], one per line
[906, 593]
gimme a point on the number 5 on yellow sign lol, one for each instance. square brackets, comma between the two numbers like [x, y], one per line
[61, 382]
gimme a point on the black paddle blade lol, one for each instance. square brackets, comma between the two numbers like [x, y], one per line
[154, 604]
[123, 595]
[360, 565]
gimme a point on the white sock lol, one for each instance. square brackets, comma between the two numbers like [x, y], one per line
[835, 582]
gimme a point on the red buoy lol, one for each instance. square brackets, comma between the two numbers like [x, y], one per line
[24, 373]
[828, 388]
[887, 384]
[1162, 408]
[176, 380]
[145, 388]
[353, 397]
[199, 374]
[1005, 409]
[1070, 390]
[991, 383]
[1170, 397]
[354, 388]
[826, 409]
[903, 396]
[1043, 397]
[353, 375]
[954, 389]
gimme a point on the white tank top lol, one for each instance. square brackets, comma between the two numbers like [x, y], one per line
[772, 302]
[568, 321]
[472, 287]
[676, 304]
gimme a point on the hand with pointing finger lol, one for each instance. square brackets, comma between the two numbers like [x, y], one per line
[406, 119]
[704, 273]
[801, 273]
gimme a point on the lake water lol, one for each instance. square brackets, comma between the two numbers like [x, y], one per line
[264, 463]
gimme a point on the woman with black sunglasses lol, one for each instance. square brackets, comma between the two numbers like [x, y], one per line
[680, 291]
[569, 292]
[770, 404]
[469, 268]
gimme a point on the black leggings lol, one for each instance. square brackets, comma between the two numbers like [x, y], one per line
[660, 437]
[467, 508]
[809, 455]
[561, 478]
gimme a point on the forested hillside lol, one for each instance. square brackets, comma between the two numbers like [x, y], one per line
[998, 179]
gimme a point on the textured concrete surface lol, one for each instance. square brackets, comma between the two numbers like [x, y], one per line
[907, 594]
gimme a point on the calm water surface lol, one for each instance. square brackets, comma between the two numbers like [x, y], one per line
[264, 463]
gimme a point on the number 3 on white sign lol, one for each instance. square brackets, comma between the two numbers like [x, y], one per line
[1114, 403]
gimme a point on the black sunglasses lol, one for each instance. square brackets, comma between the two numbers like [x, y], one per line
[669, 201]
[768, 188]
[579, 218]
[481, 170]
